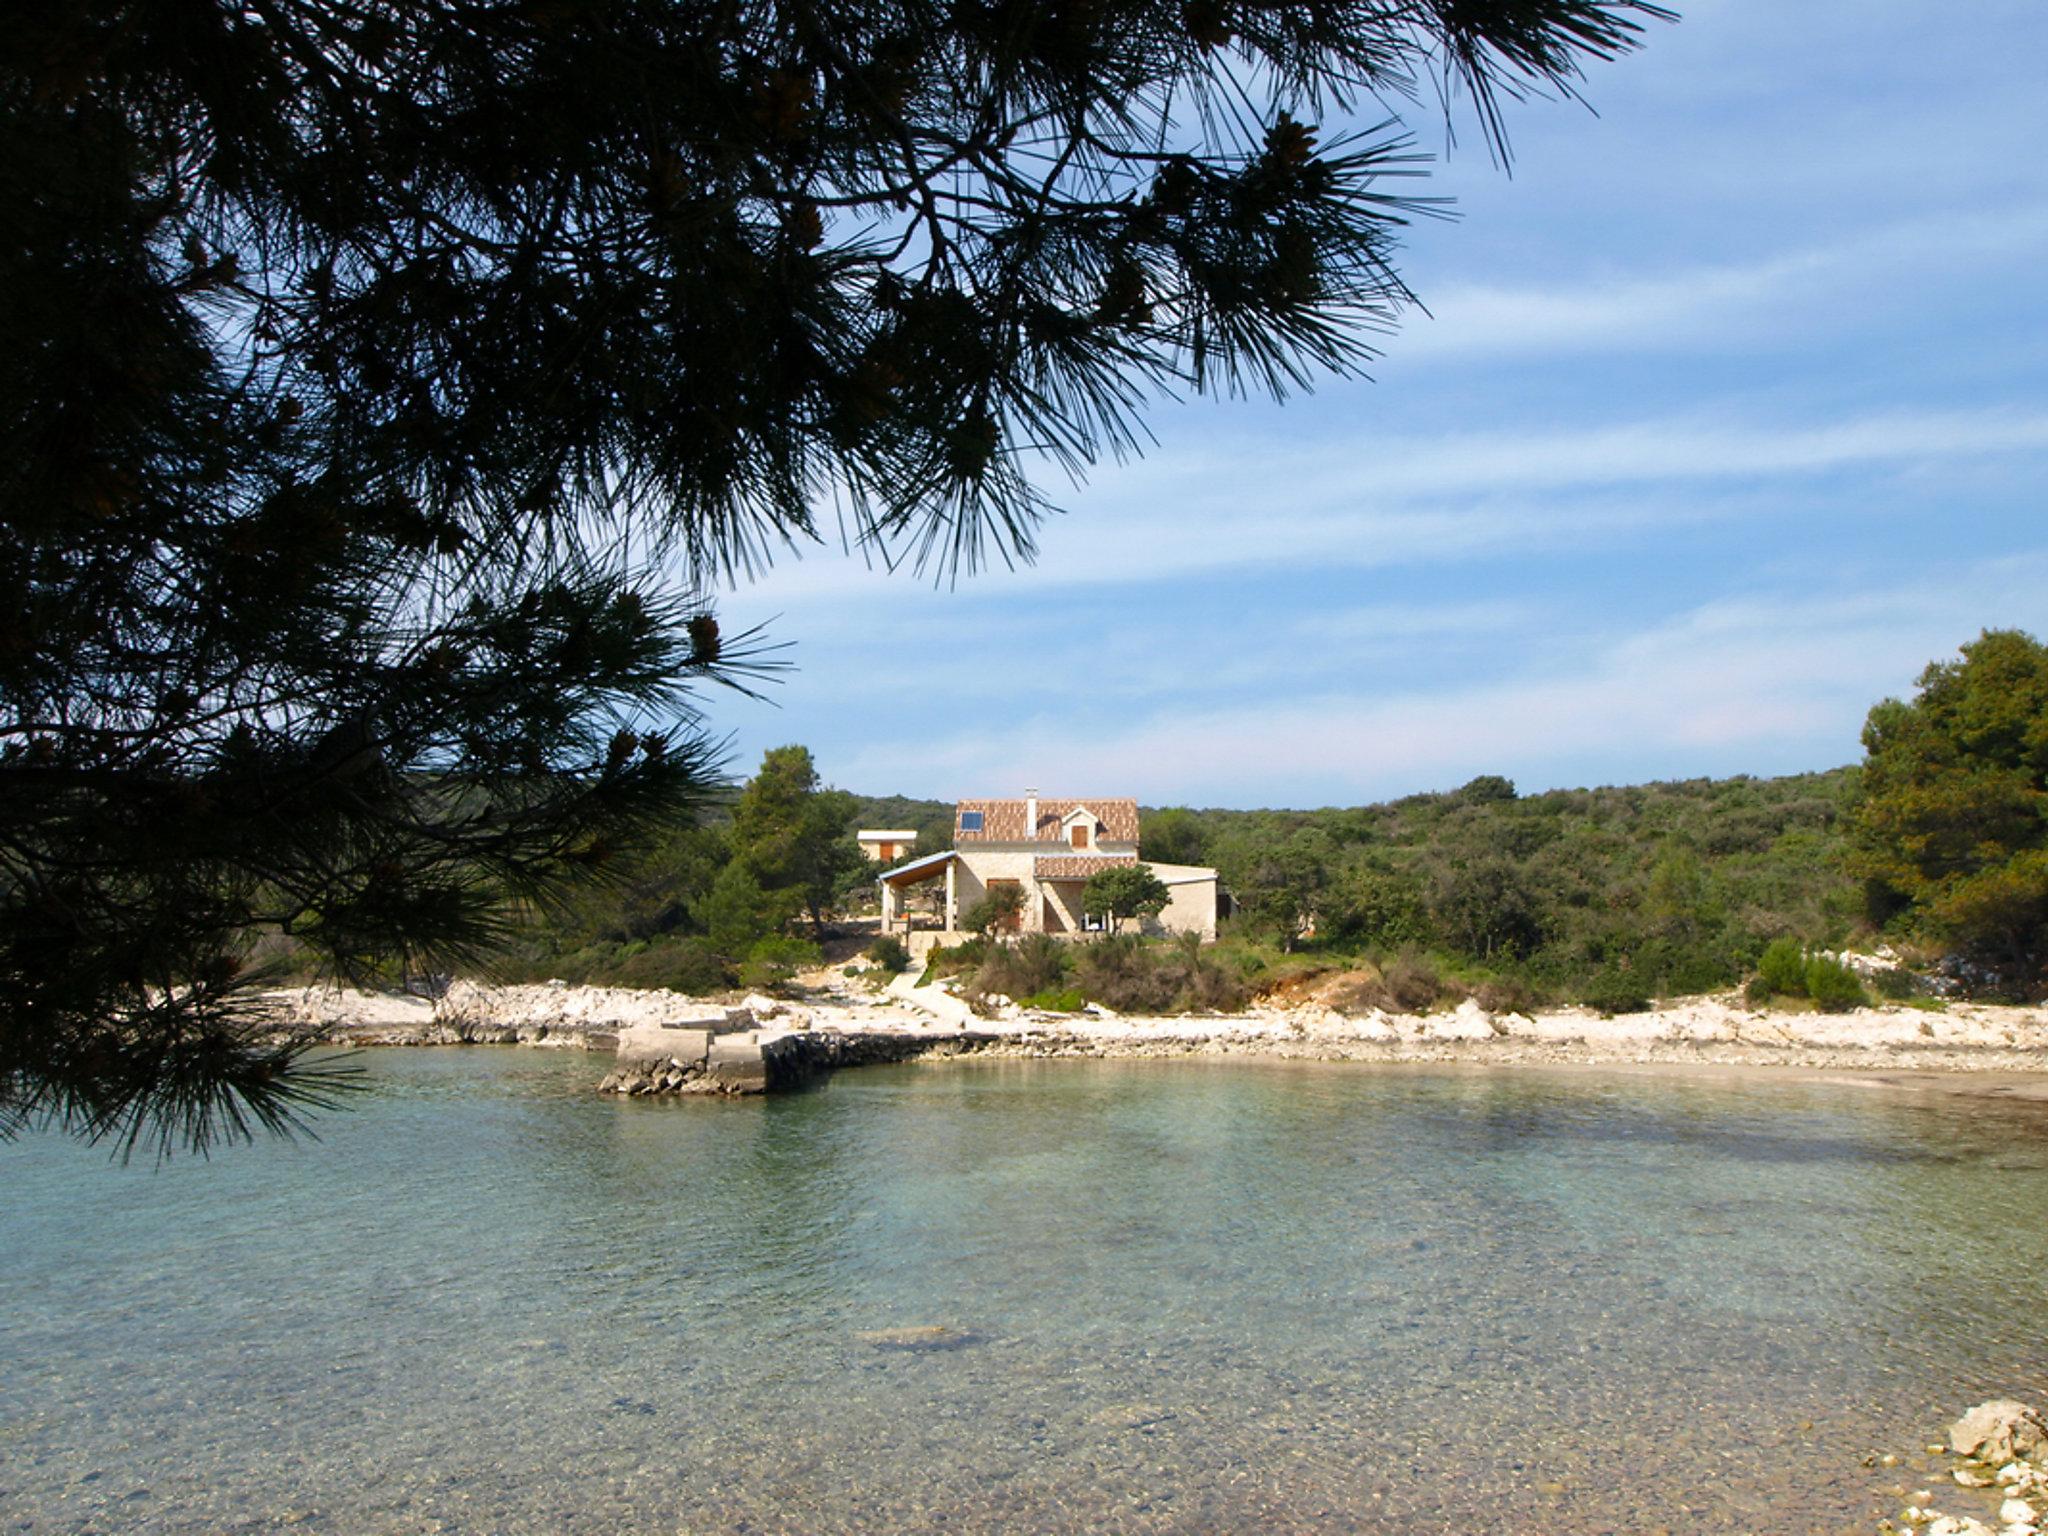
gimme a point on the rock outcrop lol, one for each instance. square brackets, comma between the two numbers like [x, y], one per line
[1999, 1432]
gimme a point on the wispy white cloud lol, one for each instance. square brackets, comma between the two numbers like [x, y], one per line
[1780, 676]
[1785, 294]
[1370, 502]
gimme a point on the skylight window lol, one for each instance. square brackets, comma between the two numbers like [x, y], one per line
[970, 821]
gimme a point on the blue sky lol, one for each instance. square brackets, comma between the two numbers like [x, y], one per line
[1730, 413]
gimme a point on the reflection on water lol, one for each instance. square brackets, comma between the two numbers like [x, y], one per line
[1174, 1296]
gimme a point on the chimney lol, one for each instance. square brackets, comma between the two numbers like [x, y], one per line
[1031, 815]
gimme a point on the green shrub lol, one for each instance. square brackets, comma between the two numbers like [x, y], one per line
[1833, 987]
[888, 953]
[1897, 985]
[953, 959]
[1613, 990]
[1782, 967]
[1057, 1000]
[1038, 964]
[1758, 991]
[772, 961]
[681, 965]
[998, 909]
[1126, 973]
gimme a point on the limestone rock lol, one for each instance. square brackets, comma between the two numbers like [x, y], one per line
[1959, 1525]
[2000, 1431]
[2016, 1512]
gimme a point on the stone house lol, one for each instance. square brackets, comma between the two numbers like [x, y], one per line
[1047, 849]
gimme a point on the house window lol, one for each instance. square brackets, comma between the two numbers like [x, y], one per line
[1080, 836]
[970, 821]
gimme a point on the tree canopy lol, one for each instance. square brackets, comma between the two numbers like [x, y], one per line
[1122, 892]
[385, 384]
[1951, 832]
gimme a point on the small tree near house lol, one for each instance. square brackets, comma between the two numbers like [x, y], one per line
[997, 910]
[1122, 892]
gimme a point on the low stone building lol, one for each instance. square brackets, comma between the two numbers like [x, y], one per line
[885, 846]
[1046, 849]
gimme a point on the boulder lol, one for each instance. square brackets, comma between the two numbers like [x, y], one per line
[1959, 1525]
[2000, 1431]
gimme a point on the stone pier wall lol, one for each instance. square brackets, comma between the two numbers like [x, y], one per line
[692, 1058]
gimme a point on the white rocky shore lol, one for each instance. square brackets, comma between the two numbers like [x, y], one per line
[2001, 1455]
[1962, 1037]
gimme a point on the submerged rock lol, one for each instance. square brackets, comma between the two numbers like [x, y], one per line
[924, 1338]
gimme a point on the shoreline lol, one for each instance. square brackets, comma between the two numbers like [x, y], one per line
[1997, 1051]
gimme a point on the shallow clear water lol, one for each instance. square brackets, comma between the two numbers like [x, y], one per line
[1180, 1296]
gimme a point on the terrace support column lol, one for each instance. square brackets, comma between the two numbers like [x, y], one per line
[952, 896]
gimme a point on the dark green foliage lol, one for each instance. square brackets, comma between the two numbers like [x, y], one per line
[1673, 887]
[1173, 837]
[1124, 972]
[887, 953]
[1123, 892]
[955, 959]
[1485, 907]
[1951, 834]
[772, 961]
[1782, 968]
[996, 910]
[1613, 990]
[687, 964]
[1897, 984]
[1036, 963]
[1134, 975]
[1833, 987]
[791, 835]
[1277, 883]
[1487, 789]
[1373, 908]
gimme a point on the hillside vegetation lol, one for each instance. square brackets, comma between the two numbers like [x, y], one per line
[1598, 895]
[1591, 895]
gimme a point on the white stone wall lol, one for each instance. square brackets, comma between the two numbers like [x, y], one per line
[1193, 907]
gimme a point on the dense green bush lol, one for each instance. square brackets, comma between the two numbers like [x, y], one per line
[1898, 984]
[1125, 972]
[1833, 987]
[688, 964]
[771, 962]
[1782, 968]
[996, 910]
[888, 953]
[1036, 963]
[1613, 990]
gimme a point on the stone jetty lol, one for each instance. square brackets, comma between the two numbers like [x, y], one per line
[714, 1054]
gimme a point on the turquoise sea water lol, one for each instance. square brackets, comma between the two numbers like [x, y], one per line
[1177, 1296]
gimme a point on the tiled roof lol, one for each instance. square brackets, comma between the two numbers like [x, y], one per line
[1002, 821]
[1077, 867]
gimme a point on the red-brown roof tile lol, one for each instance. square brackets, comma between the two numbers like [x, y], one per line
[1077, 866]
[1002, 821]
